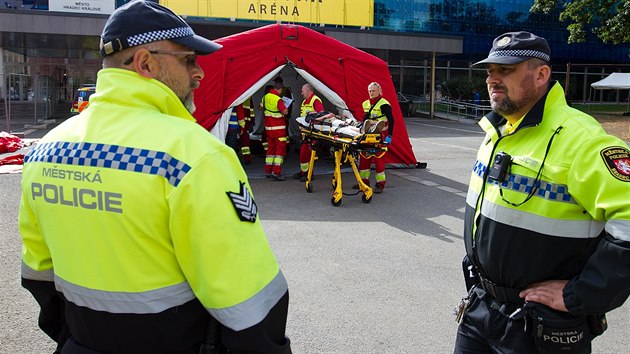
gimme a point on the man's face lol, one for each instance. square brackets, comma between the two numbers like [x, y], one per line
[180, 73]
[511, 89]
[305, 92]
[374, 92]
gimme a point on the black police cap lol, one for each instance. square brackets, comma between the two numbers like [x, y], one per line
[140, 22]
[516, 47]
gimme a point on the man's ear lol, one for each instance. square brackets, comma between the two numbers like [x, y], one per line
[543, 75]
[144, 64]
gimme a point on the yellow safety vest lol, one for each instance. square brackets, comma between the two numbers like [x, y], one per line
[308, 107]
[375, 113]
[270, 105]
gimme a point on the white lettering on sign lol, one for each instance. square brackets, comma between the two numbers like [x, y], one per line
[86, 6]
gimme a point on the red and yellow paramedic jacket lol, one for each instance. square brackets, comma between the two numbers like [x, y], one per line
[311, 104]
[275, 122]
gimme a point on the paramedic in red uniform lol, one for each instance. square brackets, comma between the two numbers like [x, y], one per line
[377, 109]
[249, 117]
[274, 111]
[311, 103]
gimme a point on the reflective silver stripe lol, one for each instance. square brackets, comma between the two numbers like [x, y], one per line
[471, 197]
[32, 274]
[145, 302]
[541, 224]
[278, 127]
[254, 309]
[620, 229]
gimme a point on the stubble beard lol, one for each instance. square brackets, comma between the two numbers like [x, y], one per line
[189, 102]
[507, 106]
[185, 94]
[503, 107]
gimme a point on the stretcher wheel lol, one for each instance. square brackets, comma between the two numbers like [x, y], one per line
[335, 203]
[309, 187]
[366, 199]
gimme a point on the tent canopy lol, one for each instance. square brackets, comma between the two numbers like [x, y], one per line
[614, 81]
[339, 72]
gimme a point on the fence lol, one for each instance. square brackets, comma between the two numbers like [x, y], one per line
[413, 106]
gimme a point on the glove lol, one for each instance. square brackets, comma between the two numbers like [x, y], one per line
[388, 140]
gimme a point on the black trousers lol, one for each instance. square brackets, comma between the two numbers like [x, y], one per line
[72, 347]
[487, 328]
[231, 139]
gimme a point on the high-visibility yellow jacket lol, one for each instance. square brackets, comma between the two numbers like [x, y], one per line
[308, 105]
[272, 105]
[562, 212]
[131, 207]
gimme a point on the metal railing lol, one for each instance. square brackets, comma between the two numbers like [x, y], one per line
[444, 107]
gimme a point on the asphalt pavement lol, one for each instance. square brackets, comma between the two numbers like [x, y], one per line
[378, 277]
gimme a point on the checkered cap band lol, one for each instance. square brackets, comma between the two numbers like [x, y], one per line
[111, 156]
[520, 53]
[161, 35]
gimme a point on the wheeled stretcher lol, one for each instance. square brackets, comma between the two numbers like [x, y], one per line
[347, 142]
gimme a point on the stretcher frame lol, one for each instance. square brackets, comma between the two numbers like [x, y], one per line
[345, 149]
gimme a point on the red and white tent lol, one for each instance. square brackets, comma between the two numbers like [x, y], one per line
[339, 73]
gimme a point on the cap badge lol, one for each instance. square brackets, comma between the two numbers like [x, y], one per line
[503, 42]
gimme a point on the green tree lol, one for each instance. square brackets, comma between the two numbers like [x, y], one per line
[609, 19]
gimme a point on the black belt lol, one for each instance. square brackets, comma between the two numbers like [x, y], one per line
[500, 293]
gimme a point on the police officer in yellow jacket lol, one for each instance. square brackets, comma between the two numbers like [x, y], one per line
[139, 228]
[547, 221]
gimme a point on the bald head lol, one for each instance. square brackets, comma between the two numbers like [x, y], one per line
[307, 90]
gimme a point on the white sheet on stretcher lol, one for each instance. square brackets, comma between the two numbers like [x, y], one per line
[337, 126]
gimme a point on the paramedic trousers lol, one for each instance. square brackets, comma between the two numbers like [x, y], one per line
[276, 151]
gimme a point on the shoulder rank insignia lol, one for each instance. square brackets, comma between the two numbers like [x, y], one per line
[244, 204]
[617, 159]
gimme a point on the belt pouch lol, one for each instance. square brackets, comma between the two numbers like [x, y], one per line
[559, 332]
[597, 324]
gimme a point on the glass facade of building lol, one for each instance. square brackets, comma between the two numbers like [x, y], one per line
[480, 21]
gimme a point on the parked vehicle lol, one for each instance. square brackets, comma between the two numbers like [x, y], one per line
[83, 98]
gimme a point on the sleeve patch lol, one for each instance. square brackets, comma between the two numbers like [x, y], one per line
[244, 204]
[617, 160]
